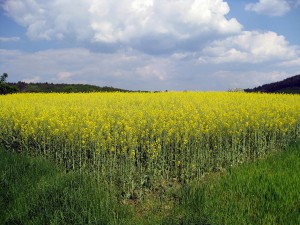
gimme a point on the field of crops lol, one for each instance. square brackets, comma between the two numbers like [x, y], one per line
[140, 140]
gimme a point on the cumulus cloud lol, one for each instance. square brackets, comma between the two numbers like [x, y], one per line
[230, 78]
[9, 39]
[127, 69]
[269, 7]
[127, 22]
[248, 79]
[291, 63]
[33, 79]
[63, 76]
[130, 69]
[146, 44]
[250, 47]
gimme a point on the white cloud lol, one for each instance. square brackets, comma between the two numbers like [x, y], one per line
[270, 7]
[248, 78]
[64, 75]
[151, 70]
[135, 70]
[127, 69]
[291, 63]
[9, 39]
[124, 21]
[32, 79]
[250, 47]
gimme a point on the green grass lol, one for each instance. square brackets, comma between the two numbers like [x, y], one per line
[263, 192]
[35, 191]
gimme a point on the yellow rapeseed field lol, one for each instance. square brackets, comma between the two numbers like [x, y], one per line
[142, 137]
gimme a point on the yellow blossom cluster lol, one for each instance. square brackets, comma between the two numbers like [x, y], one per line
[172, 135]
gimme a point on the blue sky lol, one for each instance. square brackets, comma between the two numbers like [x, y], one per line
[151, 44]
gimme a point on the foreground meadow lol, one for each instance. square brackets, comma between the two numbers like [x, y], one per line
[147, 141]
[36, 191]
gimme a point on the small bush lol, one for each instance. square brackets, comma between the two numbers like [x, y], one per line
[7, 89]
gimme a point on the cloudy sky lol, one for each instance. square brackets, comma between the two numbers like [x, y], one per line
[151, 44]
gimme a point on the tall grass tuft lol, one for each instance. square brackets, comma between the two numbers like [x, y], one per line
[262, 192]
[35, 191]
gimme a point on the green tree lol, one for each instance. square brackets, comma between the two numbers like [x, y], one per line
[3, 77]
[5, 88]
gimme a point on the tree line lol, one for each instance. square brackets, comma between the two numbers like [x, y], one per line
[289, 85]
[13, 87]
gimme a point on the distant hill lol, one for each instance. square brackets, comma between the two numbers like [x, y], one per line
[290, 85]
[64, 88]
